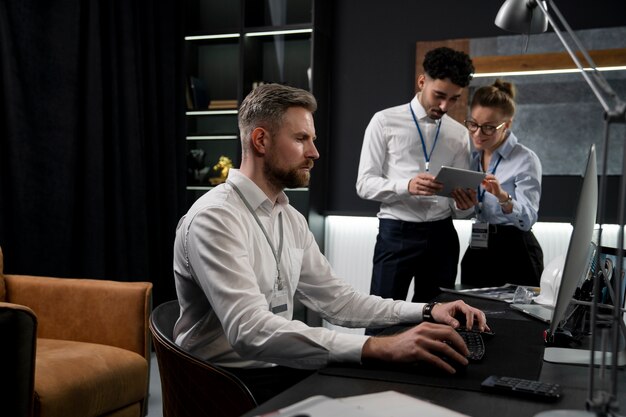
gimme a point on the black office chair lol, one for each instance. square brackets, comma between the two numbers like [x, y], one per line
[192, 387]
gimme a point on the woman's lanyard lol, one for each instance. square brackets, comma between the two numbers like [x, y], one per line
[276, 253]
[426, 154]
[481, 193]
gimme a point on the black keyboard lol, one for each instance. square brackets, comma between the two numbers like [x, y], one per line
[475, 344]
[522, 387]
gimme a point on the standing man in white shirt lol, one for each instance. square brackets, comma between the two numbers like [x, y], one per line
[242, 255]
[404, 148]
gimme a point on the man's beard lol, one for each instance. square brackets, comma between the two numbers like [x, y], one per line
[432, 112]
[292, 178]
[436, 114]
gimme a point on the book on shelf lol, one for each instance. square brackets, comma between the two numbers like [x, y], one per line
[199, 93]
[188, 98]
[222, 104]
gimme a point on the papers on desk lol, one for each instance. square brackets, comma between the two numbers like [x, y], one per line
[387, 404]
[504, 293]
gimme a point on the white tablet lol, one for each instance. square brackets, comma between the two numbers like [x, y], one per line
[453, 178]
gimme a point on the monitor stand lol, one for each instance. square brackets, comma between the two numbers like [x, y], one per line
[580, 356]
[567, 413]
[560, 352]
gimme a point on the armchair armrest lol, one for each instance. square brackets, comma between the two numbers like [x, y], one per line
[96, 311]
[18, 327]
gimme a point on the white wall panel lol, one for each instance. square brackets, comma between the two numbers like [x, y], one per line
[350, 245]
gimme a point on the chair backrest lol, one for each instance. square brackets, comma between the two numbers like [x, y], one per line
[192, 387]
[3, 293]
[18, 327]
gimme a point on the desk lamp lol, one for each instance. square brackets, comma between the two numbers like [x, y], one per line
[533, 16]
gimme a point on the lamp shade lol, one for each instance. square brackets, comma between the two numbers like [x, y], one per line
[522, 16]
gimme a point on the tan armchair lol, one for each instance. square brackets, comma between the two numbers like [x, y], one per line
[91, 351]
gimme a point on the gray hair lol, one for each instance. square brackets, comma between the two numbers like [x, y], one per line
[266, 105]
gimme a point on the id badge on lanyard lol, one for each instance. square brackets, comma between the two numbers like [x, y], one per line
[279, 300]
[480, 230]
[278, 304]
[480, 235]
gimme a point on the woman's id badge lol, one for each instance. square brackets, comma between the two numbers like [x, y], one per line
[480, 235]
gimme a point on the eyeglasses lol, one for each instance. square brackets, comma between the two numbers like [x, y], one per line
[487, 130]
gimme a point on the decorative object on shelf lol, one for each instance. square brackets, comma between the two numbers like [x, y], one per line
[196, 167]
[257, 83]
[199, 93]
[222, 167]
[309, 76]
[222, 104]
[188, 99]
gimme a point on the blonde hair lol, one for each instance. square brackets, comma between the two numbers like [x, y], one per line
[500, 95]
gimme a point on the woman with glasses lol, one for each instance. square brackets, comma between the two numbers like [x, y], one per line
[503, 249]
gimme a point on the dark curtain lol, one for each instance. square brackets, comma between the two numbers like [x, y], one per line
[91, 138]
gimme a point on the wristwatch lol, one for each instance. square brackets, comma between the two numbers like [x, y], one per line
[507, 201]
[427, 312]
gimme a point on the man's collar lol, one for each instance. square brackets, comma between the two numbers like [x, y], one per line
[255, 196]
[420, 111]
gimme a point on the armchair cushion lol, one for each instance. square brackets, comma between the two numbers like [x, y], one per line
[86, 379]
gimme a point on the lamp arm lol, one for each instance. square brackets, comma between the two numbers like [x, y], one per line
[598, 83]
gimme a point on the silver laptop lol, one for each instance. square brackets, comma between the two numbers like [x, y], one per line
[537, 311]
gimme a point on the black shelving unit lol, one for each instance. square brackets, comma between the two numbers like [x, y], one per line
[232, 46]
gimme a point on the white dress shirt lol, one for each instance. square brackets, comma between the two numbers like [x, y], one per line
[519, 174]
[225, 273]
[392, 154]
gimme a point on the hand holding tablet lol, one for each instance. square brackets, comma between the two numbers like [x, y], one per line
[453, 178]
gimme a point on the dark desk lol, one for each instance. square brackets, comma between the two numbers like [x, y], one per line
[573, 380]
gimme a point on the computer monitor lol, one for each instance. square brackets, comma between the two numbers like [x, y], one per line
[577, 259]
[578, 262]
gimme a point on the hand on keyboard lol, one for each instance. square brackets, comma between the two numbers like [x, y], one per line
[475, 344]
[485, 334]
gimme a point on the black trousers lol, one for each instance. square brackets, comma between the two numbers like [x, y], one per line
[513, 256]
[265, 383]
[428, 252]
